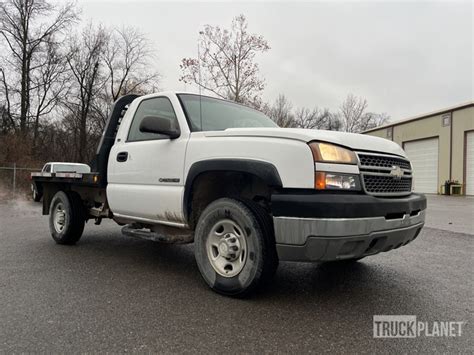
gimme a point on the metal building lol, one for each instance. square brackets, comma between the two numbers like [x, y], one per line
[439, 144]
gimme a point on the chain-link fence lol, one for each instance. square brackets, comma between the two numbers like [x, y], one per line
[15, 180]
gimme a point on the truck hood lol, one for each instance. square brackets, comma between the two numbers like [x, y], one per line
[350, 140]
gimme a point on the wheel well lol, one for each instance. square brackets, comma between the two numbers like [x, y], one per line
[90, 196]
[212, 185]
[49, 190]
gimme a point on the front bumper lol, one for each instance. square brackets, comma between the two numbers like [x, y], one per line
[336, 227]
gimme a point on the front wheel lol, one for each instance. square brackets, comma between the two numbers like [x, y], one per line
[66, 217]
[235, 247]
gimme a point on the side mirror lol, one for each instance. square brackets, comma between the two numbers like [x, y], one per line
[160, 125]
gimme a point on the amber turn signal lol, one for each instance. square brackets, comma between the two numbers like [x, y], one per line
[320, 181]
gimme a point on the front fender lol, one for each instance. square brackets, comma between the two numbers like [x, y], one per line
[267, 172]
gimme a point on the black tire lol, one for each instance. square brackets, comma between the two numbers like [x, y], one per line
[36, 195]
[261, 259]
[73, 221]
[266, 222]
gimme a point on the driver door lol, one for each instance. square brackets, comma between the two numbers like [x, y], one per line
[147, 177]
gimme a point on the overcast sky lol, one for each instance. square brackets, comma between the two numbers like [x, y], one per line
[406, 58]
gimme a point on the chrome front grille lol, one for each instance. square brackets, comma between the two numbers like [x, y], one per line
[385, 175]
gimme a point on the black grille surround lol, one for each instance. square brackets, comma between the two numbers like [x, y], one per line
[379, 174]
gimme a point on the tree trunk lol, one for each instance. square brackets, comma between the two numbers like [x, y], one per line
[23, 96]
[82, 138]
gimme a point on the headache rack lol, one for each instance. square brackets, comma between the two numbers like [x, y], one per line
[119, 108]
[384, 174]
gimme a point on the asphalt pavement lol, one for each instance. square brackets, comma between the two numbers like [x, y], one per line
[112, 293]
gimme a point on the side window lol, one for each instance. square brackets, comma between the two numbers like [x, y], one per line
[157, 106]
[47, 168]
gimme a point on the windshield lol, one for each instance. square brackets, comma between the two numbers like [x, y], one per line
[217, 115]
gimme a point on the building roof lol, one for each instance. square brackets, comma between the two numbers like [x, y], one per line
[425, 115]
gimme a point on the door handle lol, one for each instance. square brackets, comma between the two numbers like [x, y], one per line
[122, 156]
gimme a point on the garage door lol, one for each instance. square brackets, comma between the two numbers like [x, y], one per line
[470, 163]
[424, 159]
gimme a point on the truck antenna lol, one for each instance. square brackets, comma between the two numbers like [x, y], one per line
[200, 97]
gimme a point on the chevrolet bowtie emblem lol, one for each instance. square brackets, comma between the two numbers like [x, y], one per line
[396, 172]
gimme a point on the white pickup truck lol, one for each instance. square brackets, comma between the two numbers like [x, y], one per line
[180, 168]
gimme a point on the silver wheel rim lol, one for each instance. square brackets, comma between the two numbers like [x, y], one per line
[59, 218]
[226, 247]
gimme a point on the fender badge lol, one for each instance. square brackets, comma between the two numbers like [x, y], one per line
[175, 180]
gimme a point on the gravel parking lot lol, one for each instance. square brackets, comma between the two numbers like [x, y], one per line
[117, 294]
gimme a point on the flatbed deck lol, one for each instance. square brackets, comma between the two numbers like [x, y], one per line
[82, 179]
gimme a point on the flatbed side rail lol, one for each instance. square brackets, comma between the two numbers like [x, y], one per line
[92, 179]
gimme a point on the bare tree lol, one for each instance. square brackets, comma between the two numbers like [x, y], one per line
[84, 61]
[334, 123]
[351, 117]
[355, 118]
[49, 84]
[312, 119]
[4, 124]
[128, 57]
[281, 112]
[8, 122]
[25, 25]
[56, 87]
[226, 62]
[105, 64]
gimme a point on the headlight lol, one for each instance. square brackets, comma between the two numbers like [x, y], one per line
[336, 181]
[325, 152]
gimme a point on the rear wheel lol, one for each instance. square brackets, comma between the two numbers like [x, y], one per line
[66, 217]
[36, 195]
[234, 246]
